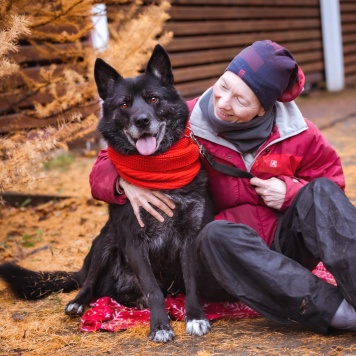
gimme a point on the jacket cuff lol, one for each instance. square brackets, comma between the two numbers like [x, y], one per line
[293, 185]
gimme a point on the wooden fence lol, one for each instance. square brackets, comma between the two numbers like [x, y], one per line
[209, 33]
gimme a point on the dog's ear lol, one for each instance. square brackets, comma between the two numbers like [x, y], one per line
[105, 77]
[159, 65]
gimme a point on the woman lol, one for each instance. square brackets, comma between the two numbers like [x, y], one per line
[248, 120]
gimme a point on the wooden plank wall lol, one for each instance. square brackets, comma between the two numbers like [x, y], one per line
[348, 28]
[209, 33]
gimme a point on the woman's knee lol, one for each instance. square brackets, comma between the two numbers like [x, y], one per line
[320, 190]
[322, 184]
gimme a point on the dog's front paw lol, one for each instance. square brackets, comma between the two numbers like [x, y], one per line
[74, 309]
[198, 327]
[162, 333]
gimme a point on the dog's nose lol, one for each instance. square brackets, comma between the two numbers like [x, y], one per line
[142, 121]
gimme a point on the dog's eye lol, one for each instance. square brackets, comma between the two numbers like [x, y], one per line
[124, 106]
[154, 99]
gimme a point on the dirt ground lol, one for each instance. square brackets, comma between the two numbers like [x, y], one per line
[58, 234]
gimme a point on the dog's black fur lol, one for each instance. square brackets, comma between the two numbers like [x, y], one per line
[126, 262]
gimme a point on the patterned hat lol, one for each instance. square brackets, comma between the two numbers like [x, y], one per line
[270, 71]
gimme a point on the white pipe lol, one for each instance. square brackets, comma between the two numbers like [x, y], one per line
[332, 44]
[100, 33]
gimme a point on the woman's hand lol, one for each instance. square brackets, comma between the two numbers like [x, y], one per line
[146, 198]
[272, 191]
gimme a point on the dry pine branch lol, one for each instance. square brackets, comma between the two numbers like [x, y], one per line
[56, 29]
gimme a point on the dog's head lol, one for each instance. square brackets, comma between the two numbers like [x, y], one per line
[145, 114]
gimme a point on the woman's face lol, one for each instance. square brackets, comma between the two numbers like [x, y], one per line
[234, 101]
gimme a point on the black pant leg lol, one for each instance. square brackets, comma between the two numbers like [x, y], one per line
[321, 225]
[267, 281]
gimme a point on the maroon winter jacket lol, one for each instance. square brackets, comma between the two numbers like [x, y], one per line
[295, 152]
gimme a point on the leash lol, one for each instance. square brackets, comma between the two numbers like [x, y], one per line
[235, 172]
[223, 168]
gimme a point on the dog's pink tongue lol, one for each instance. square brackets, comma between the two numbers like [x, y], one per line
[146, 145]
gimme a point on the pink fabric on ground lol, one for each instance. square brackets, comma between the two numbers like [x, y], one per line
[106, 314]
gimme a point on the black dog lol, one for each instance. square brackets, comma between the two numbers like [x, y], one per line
[142, 115]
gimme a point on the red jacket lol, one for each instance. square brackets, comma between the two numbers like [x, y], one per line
[295, 152]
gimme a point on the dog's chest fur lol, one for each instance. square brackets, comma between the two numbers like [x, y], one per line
[164, 240]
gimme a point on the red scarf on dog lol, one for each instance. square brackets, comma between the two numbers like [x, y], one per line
[172, 169]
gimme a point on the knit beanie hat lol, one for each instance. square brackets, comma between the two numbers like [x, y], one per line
[270, 71]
